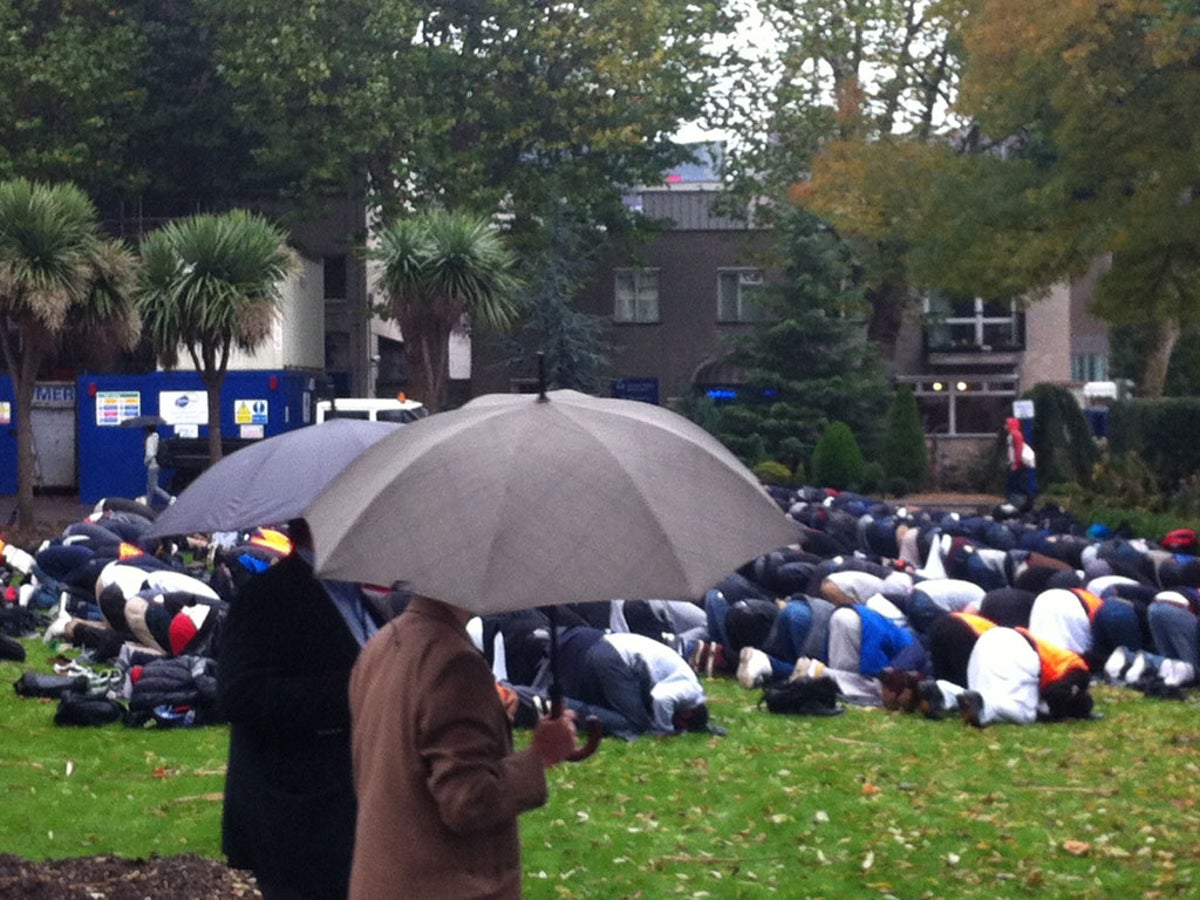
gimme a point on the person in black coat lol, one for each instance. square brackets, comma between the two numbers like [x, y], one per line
[286, 650]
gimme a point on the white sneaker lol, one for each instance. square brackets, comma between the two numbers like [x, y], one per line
[1115, 666]
[807, 667]
[1176, 672]
[1136, 668]
[754, 667]
[57, 629]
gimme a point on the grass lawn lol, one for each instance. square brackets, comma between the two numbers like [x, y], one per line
[869, 804]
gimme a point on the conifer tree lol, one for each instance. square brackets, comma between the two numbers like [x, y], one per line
[837, 461]
[809, 362]
[902, 442]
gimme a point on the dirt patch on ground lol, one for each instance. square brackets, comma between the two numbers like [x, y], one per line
[185, 877]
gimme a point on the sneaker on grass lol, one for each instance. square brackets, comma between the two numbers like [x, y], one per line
[754, 668]
[57, 630]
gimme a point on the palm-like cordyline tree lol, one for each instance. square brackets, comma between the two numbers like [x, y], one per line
[57, 274]
[437, 268]
[209, 283]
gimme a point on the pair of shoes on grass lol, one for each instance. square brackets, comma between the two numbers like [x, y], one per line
[707, 658]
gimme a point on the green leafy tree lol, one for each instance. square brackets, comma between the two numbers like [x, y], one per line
[189, 148]
[837, 460]
[472, 106]
[1102, 97]
[70, 93]
[440, 268]
[209, 283]
[902, 450]
[57, 275]
[809, 361]
[1183, 374]
[128, 101]
[857, 91]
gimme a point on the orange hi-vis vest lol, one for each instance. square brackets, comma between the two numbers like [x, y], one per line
[1055, 661]
[975, 622]
[1091, 602]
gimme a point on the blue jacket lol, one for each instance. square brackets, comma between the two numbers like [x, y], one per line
[882, 639]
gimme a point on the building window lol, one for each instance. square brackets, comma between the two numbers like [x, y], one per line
[1089, 367]
[739, 295]
[636, 295]
[954, 324]
[963, 404]
[335, 277]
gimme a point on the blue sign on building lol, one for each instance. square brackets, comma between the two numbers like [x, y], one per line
[644, 389]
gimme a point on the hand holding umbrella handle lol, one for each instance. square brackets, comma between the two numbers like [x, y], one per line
[595, 731]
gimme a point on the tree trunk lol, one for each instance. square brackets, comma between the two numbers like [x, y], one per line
[212, 386]
[427, 351]
[1158, 357]
[888, 301]
[417, 387]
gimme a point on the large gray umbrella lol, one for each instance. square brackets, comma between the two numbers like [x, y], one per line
[517, 500]
[270, 481]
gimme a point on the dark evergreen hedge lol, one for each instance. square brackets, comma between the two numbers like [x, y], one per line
[1066, 451]
[1165, 432]
[902, 451]
[837, 461]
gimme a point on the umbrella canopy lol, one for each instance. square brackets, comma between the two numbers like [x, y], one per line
[270, 481]
[143, 422]
[517, 500]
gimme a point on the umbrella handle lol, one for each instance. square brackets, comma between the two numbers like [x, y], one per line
[595, 731]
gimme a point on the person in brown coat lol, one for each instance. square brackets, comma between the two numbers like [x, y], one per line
[439, 786]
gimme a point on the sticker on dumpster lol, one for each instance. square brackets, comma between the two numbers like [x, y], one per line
[250, 412]
[5, 413]
[114, 407]
[183, 407]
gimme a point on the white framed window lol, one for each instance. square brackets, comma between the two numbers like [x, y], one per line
[739, 295]
[972, 323]
[1089, 367]
[635, 295]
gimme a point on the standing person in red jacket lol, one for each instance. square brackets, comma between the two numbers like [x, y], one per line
[1022, 464]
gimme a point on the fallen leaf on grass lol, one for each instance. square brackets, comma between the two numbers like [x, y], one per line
[1077, 848]
[870, 790]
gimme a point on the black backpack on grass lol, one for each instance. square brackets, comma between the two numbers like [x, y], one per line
[43, 684]
[82, 708]
[803, 697]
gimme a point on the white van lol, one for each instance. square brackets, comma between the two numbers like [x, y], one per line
[374, 409]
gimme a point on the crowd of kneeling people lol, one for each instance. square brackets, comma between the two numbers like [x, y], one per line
[1003, 617]
[1000, 617]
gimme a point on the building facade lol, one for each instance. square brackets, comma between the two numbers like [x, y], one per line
[674, 304]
